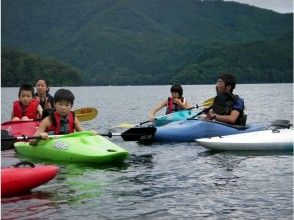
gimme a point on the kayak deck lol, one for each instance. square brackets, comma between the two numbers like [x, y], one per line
[76, 147]
[15, 181]
[266, 140]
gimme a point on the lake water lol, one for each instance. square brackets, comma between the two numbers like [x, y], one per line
[164, 181]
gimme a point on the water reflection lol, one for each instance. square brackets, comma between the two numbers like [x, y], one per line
[31, 206]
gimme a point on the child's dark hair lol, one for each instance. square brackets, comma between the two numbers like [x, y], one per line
[229, 80]
[64, 95]
[46, 82]
[177, 88]
[26, 87]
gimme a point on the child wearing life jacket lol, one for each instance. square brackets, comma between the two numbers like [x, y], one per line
[63, 120]
[26, 108]
[173, 104]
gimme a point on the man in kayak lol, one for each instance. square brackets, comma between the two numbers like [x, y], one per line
[26, 108]
[63, 120]
[228, 108]
[174, 103]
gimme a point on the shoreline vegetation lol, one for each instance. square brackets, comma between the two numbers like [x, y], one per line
[135, 43]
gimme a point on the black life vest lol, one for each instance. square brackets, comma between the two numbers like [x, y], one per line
[223, 105]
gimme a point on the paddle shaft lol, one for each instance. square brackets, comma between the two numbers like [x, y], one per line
[199, 113]
[24, 137]
[132, 134]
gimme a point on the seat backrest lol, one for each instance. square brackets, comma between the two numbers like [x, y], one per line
[281, 123]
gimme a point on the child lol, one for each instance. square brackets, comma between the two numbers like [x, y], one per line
[174, 103]
[62, 121]
[26, 108]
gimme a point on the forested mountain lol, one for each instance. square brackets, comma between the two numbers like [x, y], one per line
[123, 42]
[18, 67]
[254, 62]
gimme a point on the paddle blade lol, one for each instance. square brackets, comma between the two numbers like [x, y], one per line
[7, 140]
[208, 102]
[137, 134]
[86, 114]
[125, 125]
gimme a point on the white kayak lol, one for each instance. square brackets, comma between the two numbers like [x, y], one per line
[266, 140]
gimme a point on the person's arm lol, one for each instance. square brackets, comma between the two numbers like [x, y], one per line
[231, 119]
[12, 115]
[78, 126]
[156, 109]
[40, 111]
[46, 123]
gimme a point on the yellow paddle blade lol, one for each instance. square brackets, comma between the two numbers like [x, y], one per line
[208, 102]
[125, 125]
[86, 114]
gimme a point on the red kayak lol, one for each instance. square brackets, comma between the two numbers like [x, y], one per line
[12, 129]
[20, 180]
[19, 128]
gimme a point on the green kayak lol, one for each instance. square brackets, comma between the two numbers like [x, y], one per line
[76, 147]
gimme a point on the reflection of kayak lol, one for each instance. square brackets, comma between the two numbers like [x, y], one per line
[15, 181]
[268, 140]
[79, 146]
[175, 116]
[189, 130]
[19, 128]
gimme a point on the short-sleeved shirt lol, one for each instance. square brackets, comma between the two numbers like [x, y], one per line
[238, 104]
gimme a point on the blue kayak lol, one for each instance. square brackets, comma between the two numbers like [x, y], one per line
[175, 116]
[189, 130]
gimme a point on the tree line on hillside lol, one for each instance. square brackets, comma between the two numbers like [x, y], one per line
[18, 67]
[257, 62]
[136, 42]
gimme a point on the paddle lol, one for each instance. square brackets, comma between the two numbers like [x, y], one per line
[86, 114]
[132, 134]
[83, 114]
[199, 113]
[206, 103]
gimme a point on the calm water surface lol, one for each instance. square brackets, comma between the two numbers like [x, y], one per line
[164, 181]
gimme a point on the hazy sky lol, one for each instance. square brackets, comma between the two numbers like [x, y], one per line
[282, 6]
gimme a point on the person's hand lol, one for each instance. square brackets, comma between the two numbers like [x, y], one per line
[44, 135]
[177, 101]
[94, 132]
[16, 119]
[210, 114]
[25, 118]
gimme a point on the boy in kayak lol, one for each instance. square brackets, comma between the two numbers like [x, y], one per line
[173, 104]
[26, 108]
[63, 120]
[42, 95]
[228, 108]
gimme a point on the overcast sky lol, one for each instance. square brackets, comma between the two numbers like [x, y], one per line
[282, 6]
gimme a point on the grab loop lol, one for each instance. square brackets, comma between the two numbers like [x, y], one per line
[24, 163]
